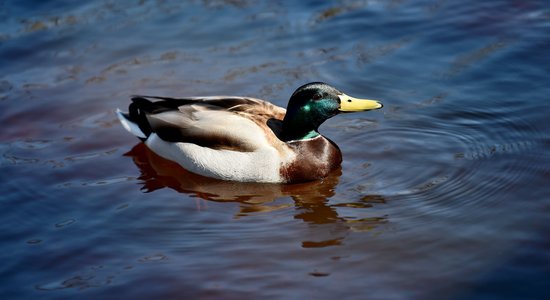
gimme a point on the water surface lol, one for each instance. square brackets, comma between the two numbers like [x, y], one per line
[443, 194]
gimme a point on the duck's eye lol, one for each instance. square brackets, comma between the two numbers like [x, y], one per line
[317, 96]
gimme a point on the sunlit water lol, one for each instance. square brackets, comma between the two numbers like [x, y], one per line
[443, 194]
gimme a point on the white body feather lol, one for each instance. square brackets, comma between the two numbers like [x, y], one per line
[261, 165]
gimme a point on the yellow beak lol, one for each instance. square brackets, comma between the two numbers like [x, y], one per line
[350, 104]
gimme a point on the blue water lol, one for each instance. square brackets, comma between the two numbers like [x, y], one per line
[443, 194]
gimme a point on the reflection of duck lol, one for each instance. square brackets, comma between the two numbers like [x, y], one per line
[157, 173]
[245, 139]
[310, 198]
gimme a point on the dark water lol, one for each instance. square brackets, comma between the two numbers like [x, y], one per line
[443, 194]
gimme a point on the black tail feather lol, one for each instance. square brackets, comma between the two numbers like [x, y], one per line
[137, 113]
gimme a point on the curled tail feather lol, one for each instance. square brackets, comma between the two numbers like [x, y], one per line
[135, 121]
[137, 113]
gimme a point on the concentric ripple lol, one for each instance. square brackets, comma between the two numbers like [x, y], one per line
[451, 158]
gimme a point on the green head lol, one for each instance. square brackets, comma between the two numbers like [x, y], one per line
[314, 103]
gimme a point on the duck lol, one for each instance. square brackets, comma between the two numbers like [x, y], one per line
[245, 139]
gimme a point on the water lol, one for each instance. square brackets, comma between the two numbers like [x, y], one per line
[443, 194]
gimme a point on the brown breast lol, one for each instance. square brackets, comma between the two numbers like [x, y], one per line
[315, 159]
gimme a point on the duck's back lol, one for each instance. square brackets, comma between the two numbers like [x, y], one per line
[232, 138]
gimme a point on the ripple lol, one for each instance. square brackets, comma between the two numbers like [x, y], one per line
[18, 160]
[96, 121]
[489, 150]
[353, 125]
[87, 156]
[367, 224]
[153, 258]
[99, 182]
[431, 184]
[24, 151]
[32, 144]
[335, 11]
[65, 223]
[468, 60]
[317, 273]
[322, 244]
[95, 276]
[441, 159]
[77, 282]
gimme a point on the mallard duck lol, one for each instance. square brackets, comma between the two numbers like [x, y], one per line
[245, 139]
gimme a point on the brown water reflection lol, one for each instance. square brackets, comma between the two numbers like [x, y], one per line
[311, 199]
